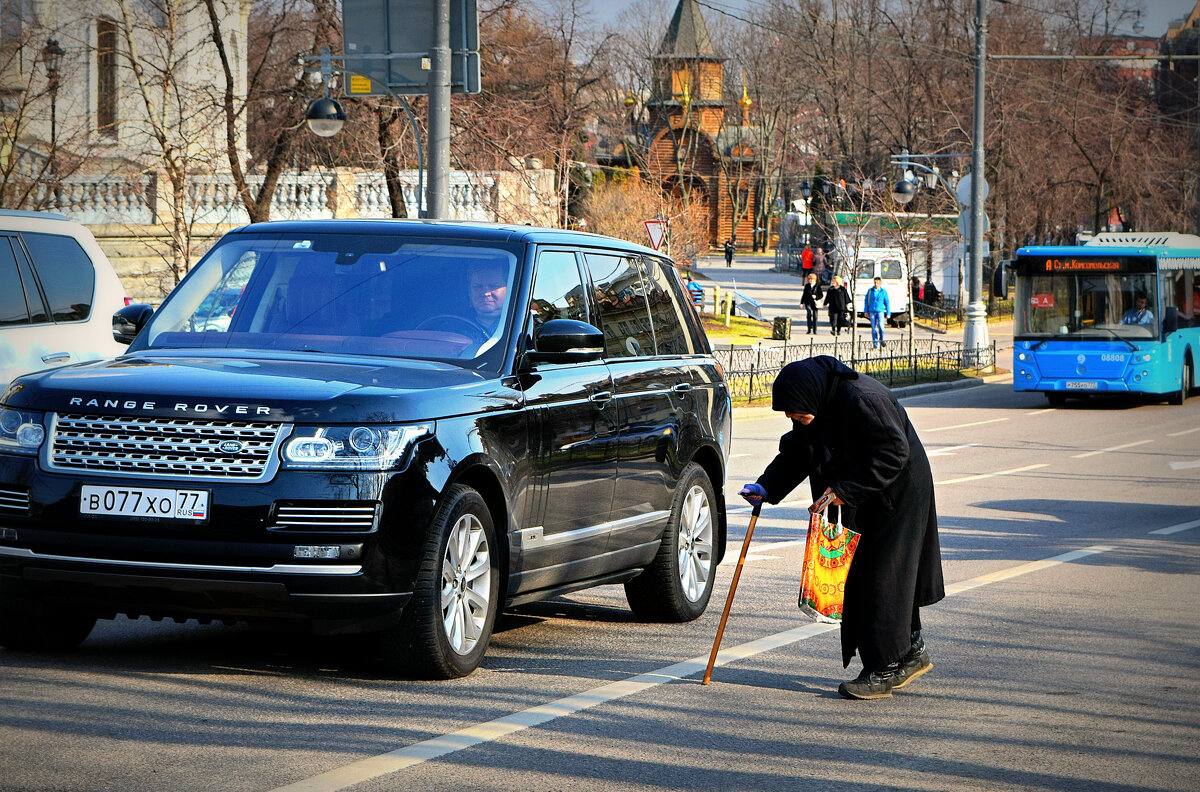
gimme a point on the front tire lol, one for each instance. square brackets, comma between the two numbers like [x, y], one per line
[50, 631]
[445, 630]
[1185, 381]
[677, 585]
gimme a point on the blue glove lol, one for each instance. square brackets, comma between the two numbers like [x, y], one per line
[753, 493]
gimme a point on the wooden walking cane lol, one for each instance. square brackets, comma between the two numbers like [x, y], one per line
[737, 573]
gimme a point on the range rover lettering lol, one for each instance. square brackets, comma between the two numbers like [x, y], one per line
[392, 427]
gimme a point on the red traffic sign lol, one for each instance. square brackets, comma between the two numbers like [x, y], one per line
[657, 229]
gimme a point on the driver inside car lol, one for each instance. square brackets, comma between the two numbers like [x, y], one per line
[487, 288]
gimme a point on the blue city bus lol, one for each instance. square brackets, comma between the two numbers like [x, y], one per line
[1119, 314]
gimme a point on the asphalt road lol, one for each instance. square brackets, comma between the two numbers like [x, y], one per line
[1067, 656]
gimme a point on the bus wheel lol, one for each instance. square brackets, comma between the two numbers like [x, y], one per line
[1056, 399]
[1185, 383]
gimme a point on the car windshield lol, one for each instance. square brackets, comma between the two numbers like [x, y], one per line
[354, 294]
[1093, 305]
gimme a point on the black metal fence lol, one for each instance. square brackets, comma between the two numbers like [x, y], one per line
[751, 370]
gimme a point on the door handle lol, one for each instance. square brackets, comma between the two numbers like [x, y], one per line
[682, 387]
[56, 357]
[600, 397]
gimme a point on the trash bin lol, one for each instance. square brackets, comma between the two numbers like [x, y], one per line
[781, 328]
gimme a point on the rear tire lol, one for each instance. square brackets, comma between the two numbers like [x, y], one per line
[50, 631]
[445, 630]
[1056, 399]
[677, 585]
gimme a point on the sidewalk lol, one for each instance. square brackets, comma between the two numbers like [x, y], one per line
[779, 293]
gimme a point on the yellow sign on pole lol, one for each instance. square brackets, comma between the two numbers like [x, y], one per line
[360, 84]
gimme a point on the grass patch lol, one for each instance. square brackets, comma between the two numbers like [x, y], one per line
[741, 330]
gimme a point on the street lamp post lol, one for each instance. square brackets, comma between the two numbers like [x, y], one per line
[52, 55]
[975, 334]
[325, 117]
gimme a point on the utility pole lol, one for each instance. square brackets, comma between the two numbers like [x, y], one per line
[975, 334]
[439, 114]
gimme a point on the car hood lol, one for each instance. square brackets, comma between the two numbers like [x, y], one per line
[253, 385]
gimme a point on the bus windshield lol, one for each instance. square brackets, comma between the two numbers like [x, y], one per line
[1087, 305]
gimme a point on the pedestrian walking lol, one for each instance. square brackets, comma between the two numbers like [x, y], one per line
[819, 263]
[837, 300]
[812, 294]
[877, 308]
[806, 259]
[850, 437]
[696, 292]
[730, 246]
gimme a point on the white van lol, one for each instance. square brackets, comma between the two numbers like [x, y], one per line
[891, 267]
[58, 294]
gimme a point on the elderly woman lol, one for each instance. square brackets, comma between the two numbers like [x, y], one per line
[852, 438]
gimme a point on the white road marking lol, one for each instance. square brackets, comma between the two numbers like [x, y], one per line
[1195, 463]
[436, 747]
[1113, 448]
[990, 475]
[962, 426]
[1042, 412]
[1185, 431]
[1174, 529]
[739, 456]
[949, 450]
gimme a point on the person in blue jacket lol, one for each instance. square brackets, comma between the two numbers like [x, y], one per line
[877, 308]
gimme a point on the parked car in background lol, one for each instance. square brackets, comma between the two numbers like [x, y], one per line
[58, 294]
[396, 427]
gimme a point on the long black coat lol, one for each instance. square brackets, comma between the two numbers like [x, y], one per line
[863, 447]
[837, 298]
[812, 294]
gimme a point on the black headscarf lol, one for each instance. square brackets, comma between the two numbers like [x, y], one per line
[807, 386]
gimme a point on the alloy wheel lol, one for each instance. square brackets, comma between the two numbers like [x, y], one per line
[695, 543]
[466, 584]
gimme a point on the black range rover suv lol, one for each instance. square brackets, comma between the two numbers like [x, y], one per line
[396, 427]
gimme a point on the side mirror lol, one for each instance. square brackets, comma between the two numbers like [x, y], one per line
[1170, 319]
[129, 321]
[1000, 281]
[566, 341]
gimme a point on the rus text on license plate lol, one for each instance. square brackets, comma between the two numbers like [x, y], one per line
[169, 504]
[1082, 385]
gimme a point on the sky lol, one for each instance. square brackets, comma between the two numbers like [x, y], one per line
[1156, 14]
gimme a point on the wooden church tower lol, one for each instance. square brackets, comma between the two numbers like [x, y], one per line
[689, 138]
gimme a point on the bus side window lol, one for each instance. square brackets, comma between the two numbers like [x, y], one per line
[1181, 295]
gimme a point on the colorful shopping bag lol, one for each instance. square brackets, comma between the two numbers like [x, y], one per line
[827, 556]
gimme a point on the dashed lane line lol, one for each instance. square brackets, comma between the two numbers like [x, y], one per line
[981, 476]
[443, 745]
[962, 426]
[1112, 448]
[1174, 529]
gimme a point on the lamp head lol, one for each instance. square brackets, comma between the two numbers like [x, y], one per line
[904, 190]
[806, 189]
[325, 117]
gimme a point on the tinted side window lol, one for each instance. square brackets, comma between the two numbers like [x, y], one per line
[620, 296]
[13, 310]
[664, 292]
[557, 288]
[66, 273]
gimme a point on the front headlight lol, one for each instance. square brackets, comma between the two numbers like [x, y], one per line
[21, 431]
[370, 447]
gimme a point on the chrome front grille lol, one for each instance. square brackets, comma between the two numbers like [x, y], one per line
[325, 516]
[176, 447]
[13, 502]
